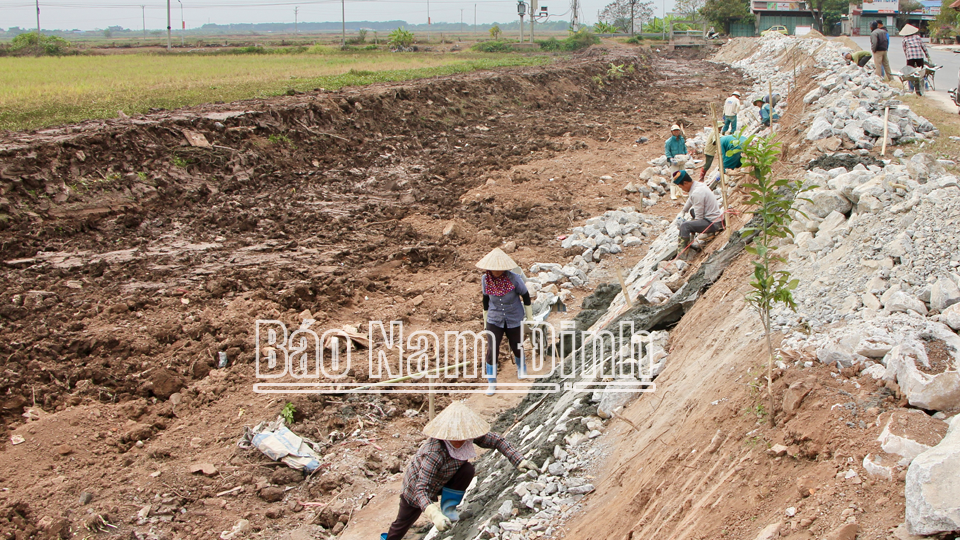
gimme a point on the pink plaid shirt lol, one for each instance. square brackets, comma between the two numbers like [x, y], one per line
[914, 47]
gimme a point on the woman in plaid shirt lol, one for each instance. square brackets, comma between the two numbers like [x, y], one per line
[913, 46]
[441, 467]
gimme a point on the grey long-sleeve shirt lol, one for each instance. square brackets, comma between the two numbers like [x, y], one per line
[703, 203]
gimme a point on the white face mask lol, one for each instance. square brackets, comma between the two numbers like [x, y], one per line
[465, 452]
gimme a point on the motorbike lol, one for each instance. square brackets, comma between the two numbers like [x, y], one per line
[953, 95]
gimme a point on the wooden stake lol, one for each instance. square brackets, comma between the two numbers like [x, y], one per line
[770, 99]
[719, 155]
[623, 287]
[886, 116]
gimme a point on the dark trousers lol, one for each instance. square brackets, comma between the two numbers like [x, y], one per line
[409, 513]
[687, 228]
[915, 62]
[493, 346]
[708, 160]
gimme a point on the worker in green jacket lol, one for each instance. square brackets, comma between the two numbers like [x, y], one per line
[675, 146]
[730, 151]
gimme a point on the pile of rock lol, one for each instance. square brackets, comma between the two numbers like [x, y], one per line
[850, 105]
[898, 251]
[652, 182]
[611, 232]
[540, 501]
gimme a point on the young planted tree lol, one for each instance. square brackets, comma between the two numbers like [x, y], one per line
[773, 200]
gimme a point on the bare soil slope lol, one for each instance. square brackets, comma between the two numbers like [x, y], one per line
[131, 259]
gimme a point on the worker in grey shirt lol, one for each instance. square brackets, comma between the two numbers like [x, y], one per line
[703, 208]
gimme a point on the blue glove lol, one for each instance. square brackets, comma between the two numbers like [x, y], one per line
[679, 220]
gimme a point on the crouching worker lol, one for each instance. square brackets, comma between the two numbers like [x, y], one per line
[442, 467]
[860, 57]
[704, 211]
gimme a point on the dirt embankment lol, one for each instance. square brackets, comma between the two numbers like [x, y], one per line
[132, 258]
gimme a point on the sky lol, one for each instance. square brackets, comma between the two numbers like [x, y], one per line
[97, 14]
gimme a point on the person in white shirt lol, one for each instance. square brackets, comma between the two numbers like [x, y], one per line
[730, 109]
[703, 207]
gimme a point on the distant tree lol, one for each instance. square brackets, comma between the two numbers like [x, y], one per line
[601, 27]
[690, 9]
[627, 15]
[495, 32]
[723, 12]
[945, 22]
[907, 7]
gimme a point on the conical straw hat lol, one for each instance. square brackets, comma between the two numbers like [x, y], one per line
[908, 30]
[457, 423]
[496, 260]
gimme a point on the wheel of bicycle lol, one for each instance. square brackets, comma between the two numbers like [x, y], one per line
[919, 86]
[933, 85]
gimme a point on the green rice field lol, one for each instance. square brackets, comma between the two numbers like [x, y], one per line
[48, 91]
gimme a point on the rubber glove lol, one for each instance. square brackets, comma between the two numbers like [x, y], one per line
[440, 521]
[485, 318]
[527, 465]
[528, 311]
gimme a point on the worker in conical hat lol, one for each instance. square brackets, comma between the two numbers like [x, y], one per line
[506, 302]
[442, 467]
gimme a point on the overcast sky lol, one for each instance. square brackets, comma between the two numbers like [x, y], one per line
[93, 14]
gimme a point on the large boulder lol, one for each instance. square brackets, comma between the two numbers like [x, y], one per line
[909, 432]
[936, 392]
[951, 317]
[874, 126]
[932, 491]
[829, 200]
[901, 302]
[820, 129]
[944, 294]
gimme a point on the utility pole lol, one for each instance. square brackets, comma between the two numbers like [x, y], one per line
[461, 22]
[633, 4]
[183, 25]
[533, 16]
[428, 12]
[521, 10]
[296, 15]
[39, 48]
[343, 24]
[143, 10]
[474, 19]
[575, 20]
[168, 25]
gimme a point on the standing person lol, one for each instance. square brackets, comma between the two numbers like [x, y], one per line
[505, 303]
[709, 151]
[914, 48]
[879, 43]
[442, 467]
[675, 145]
[703, 207]
[730, 109]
